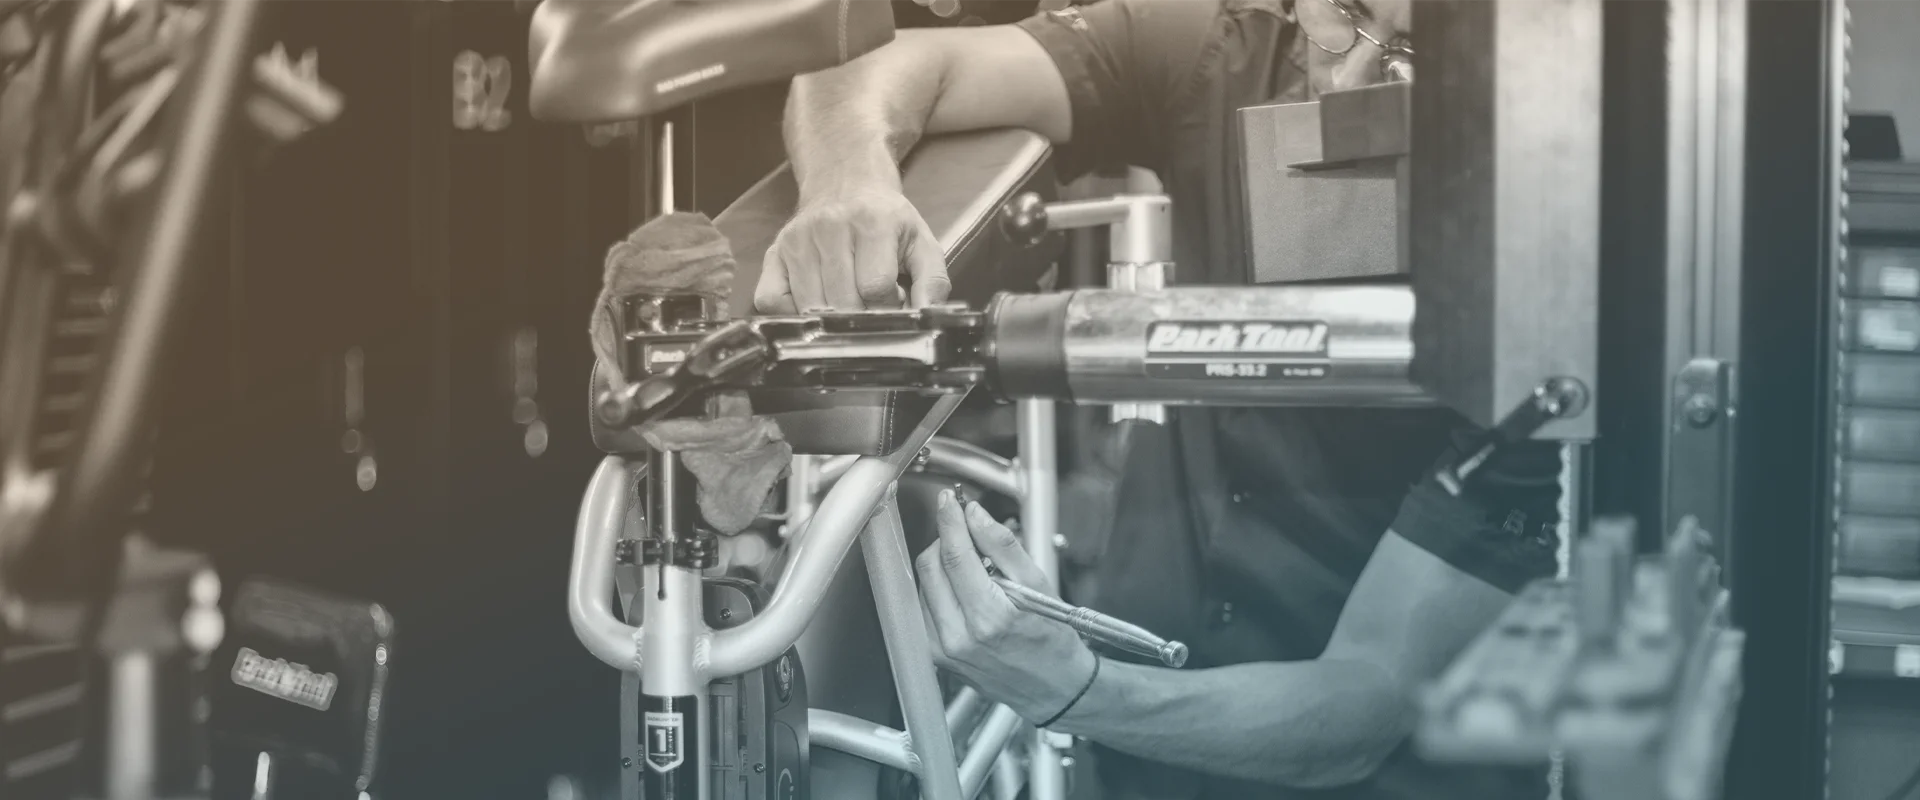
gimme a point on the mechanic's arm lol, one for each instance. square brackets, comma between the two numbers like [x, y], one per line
[1325, 722]
[847, 129]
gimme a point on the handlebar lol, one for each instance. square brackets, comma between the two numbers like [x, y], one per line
[817, 553]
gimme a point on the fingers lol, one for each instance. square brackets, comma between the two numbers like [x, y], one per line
[940, 657]
[997, 542]
[945, 620]
[849, 254]
[805, 256]
[838, 253]
[773, 295]
[988, 610]
[927, 265]
[876, 267]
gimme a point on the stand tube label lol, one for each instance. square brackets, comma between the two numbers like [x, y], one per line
[667, 731]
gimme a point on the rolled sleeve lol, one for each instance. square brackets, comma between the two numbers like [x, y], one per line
[1126, 64]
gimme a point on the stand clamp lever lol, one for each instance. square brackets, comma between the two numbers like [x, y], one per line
[1557, 398]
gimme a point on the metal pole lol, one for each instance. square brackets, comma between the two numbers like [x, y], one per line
[263, 777]
[855, 736]
[985, 750]
[973, 463]
[1007, 781]
[910, 651]
[131, 767]
[1040, 528]
[674, 692]
[815, 553]
[803, 484]
[590, 584]
[965, 711]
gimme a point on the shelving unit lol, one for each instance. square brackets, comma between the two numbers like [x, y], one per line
[1876, 628]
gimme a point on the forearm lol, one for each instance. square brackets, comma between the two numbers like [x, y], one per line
[1303, 723]
[851, 125]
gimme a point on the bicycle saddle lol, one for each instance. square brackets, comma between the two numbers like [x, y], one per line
[602, 61]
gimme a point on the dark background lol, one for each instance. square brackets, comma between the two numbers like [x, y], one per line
[430, 249]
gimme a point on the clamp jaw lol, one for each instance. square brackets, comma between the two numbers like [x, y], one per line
[681, 356]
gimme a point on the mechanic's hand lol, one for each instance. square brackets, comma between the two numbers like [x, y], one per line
[849, 253]
[1032, 664]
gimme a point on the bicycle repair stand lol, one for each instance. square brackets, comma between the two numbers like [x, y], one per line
[746, 731]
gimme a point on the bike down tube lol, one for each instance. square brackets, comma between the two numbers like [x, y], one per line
[818, 551]
[909, 650]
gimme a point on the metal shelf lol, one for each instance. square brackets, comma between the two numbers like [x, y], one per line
[1883, 197]
[1876, 628]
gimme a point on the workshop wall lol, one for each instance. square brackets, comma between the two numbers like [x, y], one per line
[1884, 75]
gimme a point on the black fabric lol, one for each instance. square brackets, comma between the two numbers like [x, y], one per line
[1243, 531]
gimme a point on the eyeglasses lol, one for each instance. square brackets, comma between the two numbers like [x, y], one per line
[1340, 35]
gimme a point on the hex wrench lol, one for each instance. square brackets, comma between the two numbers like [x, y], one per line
[1095, 625]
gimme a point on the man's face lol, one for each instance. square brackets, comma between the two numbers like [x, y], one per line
[1357, 59]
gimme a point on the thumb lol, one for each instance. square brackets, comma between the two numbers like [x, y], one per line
[927, 266]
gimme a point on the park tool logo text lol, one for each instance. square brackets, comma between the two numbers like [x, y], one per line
[1238, 338]
[294, 683]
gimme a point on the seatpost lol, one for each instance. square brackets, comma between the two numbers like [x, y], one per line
[675, 551]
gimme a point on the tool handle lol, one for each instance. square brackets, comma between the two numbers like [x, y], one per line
[1557, 398]
[1096, 626]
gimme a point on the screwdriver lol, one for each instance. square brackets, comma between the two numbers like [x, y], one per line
[1093, 624]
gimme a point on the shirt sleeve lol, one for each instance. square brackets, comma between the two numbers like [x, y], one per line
[1127, 66]
[1503, 528]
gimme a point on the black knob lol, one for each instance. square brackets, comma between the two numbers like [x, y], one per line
[616, 407]
[1024, 219]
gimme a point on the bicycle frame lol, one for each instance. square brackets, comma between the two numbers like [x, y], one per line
[677, 655]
